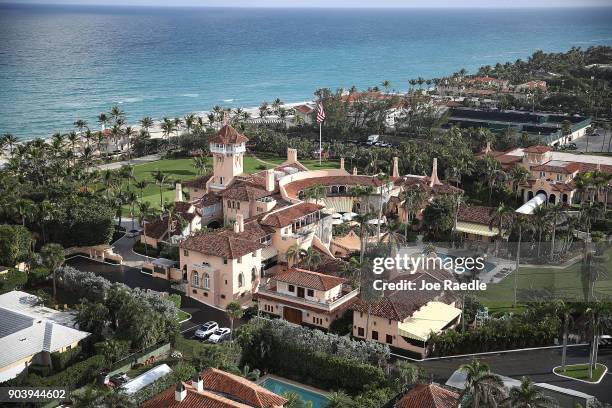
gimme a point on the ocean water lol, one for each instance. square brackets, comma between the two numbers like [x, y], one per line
[62, 63]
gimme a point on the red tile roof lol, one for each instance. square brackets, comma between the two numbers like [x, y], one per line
[224, 244]
[221, 390]
[288, 215]
[428, 396]
[198, 182]
[294, 187]
[305, 109]
[537, 149]
[475, 214]
[568, 168]
[309, 279]
[228, 135]
[244, 191]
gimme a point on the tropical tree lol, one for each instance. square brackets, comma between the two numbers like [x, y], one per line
[146, 123]
[564, 309]
[527, 395]
[518, 175]
[234, 311]
[315, 193]
[540, 223]
[521, 224]
[412, 199]
[145, 214]
[199, 162]
[483, 387]
[141, 185]
[53, 257]
[311, 258]
[293, 253]
[500, 216]
[161, 180]
[103, 121]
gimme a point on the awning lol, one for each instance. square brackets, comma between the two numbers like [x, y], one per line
[477, 229]
[268, 252]
[146, 378]
[432, 317]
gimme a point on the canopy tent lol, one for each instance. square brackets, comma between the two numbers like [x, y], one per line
[349, 216]
[338, 204]
[530, 206]
[350, 242]
[146, 378]
[477, 229]
[432, 317]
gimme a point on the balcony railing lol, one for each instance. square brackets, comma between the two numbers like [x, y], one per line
[326, 305]
[227, 149]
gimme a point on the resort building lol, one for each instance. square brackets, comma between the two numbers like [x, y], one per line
[302, 296]
[552, 173]
[306, 113]
[428, 396]
[405, 319]
[184, 221]
[218, 389]
[475, 223]
[29, 333]
[546, 127]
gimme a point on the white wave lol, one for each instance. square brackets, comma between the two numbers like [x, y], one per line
[190, 95]
[228, 100]
[130, 100]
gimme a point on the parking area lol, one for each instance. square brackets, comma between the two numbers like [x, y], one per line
[599, 142]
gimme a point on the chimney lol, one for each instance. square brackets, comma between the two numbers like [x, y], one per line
[180, 393]
[354, 171]
[239, 224]
[197, 383]
[270, 180]
[342, 163]
[291, 155]
[178, 192]
[434, 180]
[395, 167]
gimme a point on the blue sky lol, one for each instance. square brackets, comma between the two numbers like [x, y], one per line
[333, 3]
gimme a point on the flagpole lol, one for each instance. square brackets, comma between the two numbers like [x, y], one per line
[320, 149]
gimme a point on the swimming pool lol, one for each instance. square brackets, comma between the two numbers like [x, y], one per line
[281, 387]
[488, 266]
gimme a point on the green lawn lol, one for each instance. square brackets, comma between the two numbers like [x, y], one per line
[183, 170]
[188, 347]
[581, 372]
[541, 283]
[182, 316]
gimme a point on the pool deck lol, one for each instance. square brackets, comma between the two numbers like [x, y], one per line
[294, 383]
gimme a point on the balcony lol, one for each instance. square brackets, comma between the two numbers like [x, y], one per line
[227, 149]
[327, 305]
[203, 268]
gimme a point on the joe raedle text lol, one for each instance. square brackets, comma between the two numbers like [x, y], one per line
[404, 284]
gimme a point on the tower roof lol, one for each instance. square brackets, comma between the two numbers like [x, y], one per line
[228, 135]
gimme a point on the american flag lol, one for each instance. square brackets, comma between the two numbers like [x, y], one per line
[320, 113]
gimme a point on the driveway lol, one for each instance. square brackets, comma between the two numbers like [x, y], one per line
[536, 364]
[134, 278]
[596, 142]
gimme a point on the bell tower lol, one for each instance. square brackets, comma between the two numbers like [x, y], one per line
[227, 147]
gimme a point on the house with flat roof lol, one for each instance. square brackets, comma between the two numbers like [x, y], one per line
[29, 333]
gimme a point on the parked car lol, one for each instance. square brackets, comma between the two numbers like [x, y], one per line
[605, 341]
[119, 379]
[205, 330]
[133, 233]
[220, 335]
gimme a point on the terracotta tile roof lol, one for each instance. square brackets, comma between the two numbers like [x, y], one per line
[537, 149]
[294, 187]
[584, 167]
[428, 396]
[398, 305]
[198, 182]
[287, 215]
[475, 214]
[253, 230]
[224, 244]
[560, 167]
[157, 228]
[309, 279]
[182, 206]
[244, 191]
[228, 135]
[305, 109]
[209, 199]
[194, 399]
[241, 389]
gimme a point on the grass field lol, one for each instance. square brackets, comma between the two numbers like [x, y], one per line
[581, 372]
[543, 283]
[183, 170]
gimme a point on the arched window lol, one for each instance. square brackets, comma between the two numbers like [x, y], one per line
[240, 280]
[195, 279]
[206, 281]
[253, 274]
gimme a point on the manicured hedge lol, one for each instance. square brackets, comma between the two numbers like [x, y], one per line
[76, 375]
[60, 361]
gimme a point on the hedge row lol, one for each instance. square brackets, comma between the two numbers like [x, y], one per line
[72, 377]
[59, 361]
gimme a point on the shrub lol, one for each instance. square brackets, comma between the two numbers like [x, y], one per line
[60, 361]
[113, 350]
[72, 377]
[14, 279]
[41, 370]
[38, 274]
[14, 244]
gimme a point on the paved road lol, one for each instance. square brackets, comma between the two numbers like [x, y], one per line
[134, 278]
[537, 364]
[135, 161]
[595, 143]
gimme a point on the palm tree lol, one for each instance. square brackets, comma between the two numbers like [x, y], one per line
[129, 133]
[53, 257]
[131, 199]
[234, 311]
[141, 185]
[554, 211]
[160, 179]
[117, 114]
[103, 120]
[499, 217]
[24, 209]
[311, 258]
[413, 198]
[145, 214]
[146, 123]
[386, 84]
[481, 385]
[521, 224]
[293, 254]
[189, 121]
[10, 140]
[527, 395]
[518, 175]
[315, 192]
[199, 162]
[564, 309]
[339, 399]
[539, 219]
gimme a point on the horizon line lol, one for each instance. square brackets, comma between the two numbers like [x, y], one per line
[541, 7]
